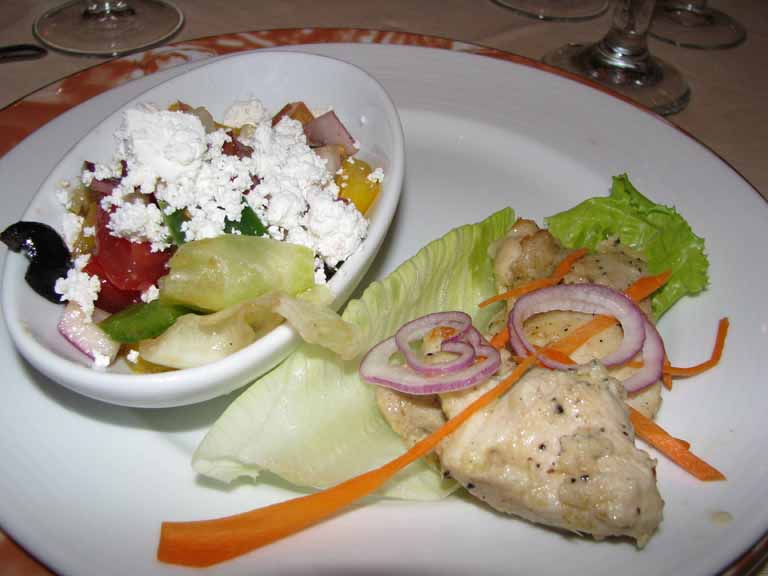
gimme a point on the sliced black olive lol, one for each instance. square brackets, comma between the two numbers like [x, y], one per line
[330, 271]
[48, 256]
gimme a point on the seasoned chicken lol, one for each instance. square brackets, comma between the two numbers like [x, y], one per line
[527, 253]
[558, 448]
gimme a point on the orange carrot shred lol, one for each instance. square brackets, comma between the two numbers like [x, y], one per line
[208, 542]
[647, 285]
[673, 448]
[562, 269]
[714, 359]
[501, 338]
[666, 377]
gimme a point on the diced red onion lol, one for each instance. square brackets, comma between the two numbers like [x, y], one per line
[104, 187]
[85, 335]
[332, 156]
[586, 298]
[377, 367]
[328, 129]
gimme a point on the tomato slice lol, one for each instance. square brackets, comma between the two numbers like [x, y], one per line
[127, 265]
[111, 299]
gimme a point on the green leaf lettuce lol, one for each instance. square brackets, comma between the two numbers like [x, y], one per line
[311, 420]
[658, 232]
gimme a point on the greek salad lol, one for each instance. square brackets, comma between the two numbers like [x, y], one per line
[200, 220]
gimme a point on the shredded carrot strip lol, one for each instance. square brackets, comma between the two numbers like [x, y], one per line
[714, 359]
[562, 269]
[501, 338]
[209, 542]
[673, 448]
[647, 285]
[666, 377]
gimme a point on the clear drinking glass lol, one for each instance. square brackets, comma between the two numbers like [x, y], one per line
[557, 9]
[621, 61]
[107, 28]
[693, 24]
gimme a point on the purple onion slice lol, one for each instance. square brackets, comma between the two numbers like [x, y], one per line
[378, 367]
[420, 327]
[586, 298]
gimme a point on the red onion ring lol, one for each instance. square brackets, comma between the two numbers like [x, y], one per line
[420, 327]
[587, 298]
[376, 367]
[653, 361]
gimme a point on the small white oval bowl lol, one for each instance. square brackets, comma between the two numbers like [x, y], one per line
[275, 78]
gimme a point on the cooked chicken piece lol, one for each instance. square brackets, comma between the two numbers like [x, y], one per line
[557, 449]
[527, 253]
[413, 418]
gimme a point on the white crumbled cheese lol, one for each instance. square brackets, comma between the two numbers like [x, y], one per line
[150, 294]
[89, 231]
[168, 154]
[64, 196]
[245, 112]
[141, 222]
[79, 287]
[376, 175]
[101, 361]
[101, 172]
[71, 226]
[132, 356]
[336, 228]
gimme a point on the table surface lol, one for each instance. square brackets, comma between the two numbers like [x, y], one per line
[727, 111]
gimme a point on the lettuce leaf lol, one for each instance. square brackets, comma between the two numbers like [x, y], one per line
[215, 273]
[311, 420]
[659, 232]
[196, 340]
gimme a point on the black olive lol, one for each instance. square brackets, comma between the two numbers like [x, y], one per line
[331, 270]
[48, 256]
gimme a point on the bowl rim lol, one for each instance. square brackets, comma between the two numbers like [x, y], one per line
[191, 385]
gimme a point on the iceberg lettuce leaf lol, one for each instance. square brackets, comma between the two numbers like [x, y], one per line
[659, 232]
[311, 420]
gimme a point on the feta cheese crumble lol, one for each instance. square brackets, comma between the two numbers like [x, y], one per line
[167, 161]
[79, 287]
[150, 294]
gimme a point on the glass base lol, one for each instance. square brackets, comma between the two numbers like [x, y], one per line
[557, 9]
[691, 27]
[653, 84]
[142, 24]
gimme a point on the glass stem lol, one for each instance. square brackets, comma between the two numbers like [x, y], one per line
[626, 45]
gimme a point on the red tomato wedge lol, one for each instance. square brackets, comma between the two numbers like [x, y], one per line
[111, 299]
[127, 265]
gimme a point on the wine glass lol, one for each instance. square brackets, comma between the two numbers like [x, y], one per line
[693, 24]
[557, 9]
[622, 63]
[107, 28]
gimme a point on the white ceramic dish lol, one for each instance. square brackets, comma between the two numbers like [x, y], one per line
[85, 485]
[275, 78]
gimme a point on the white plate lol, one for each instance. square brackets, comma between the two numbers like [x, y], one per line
[275, 77]
[85, 485]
